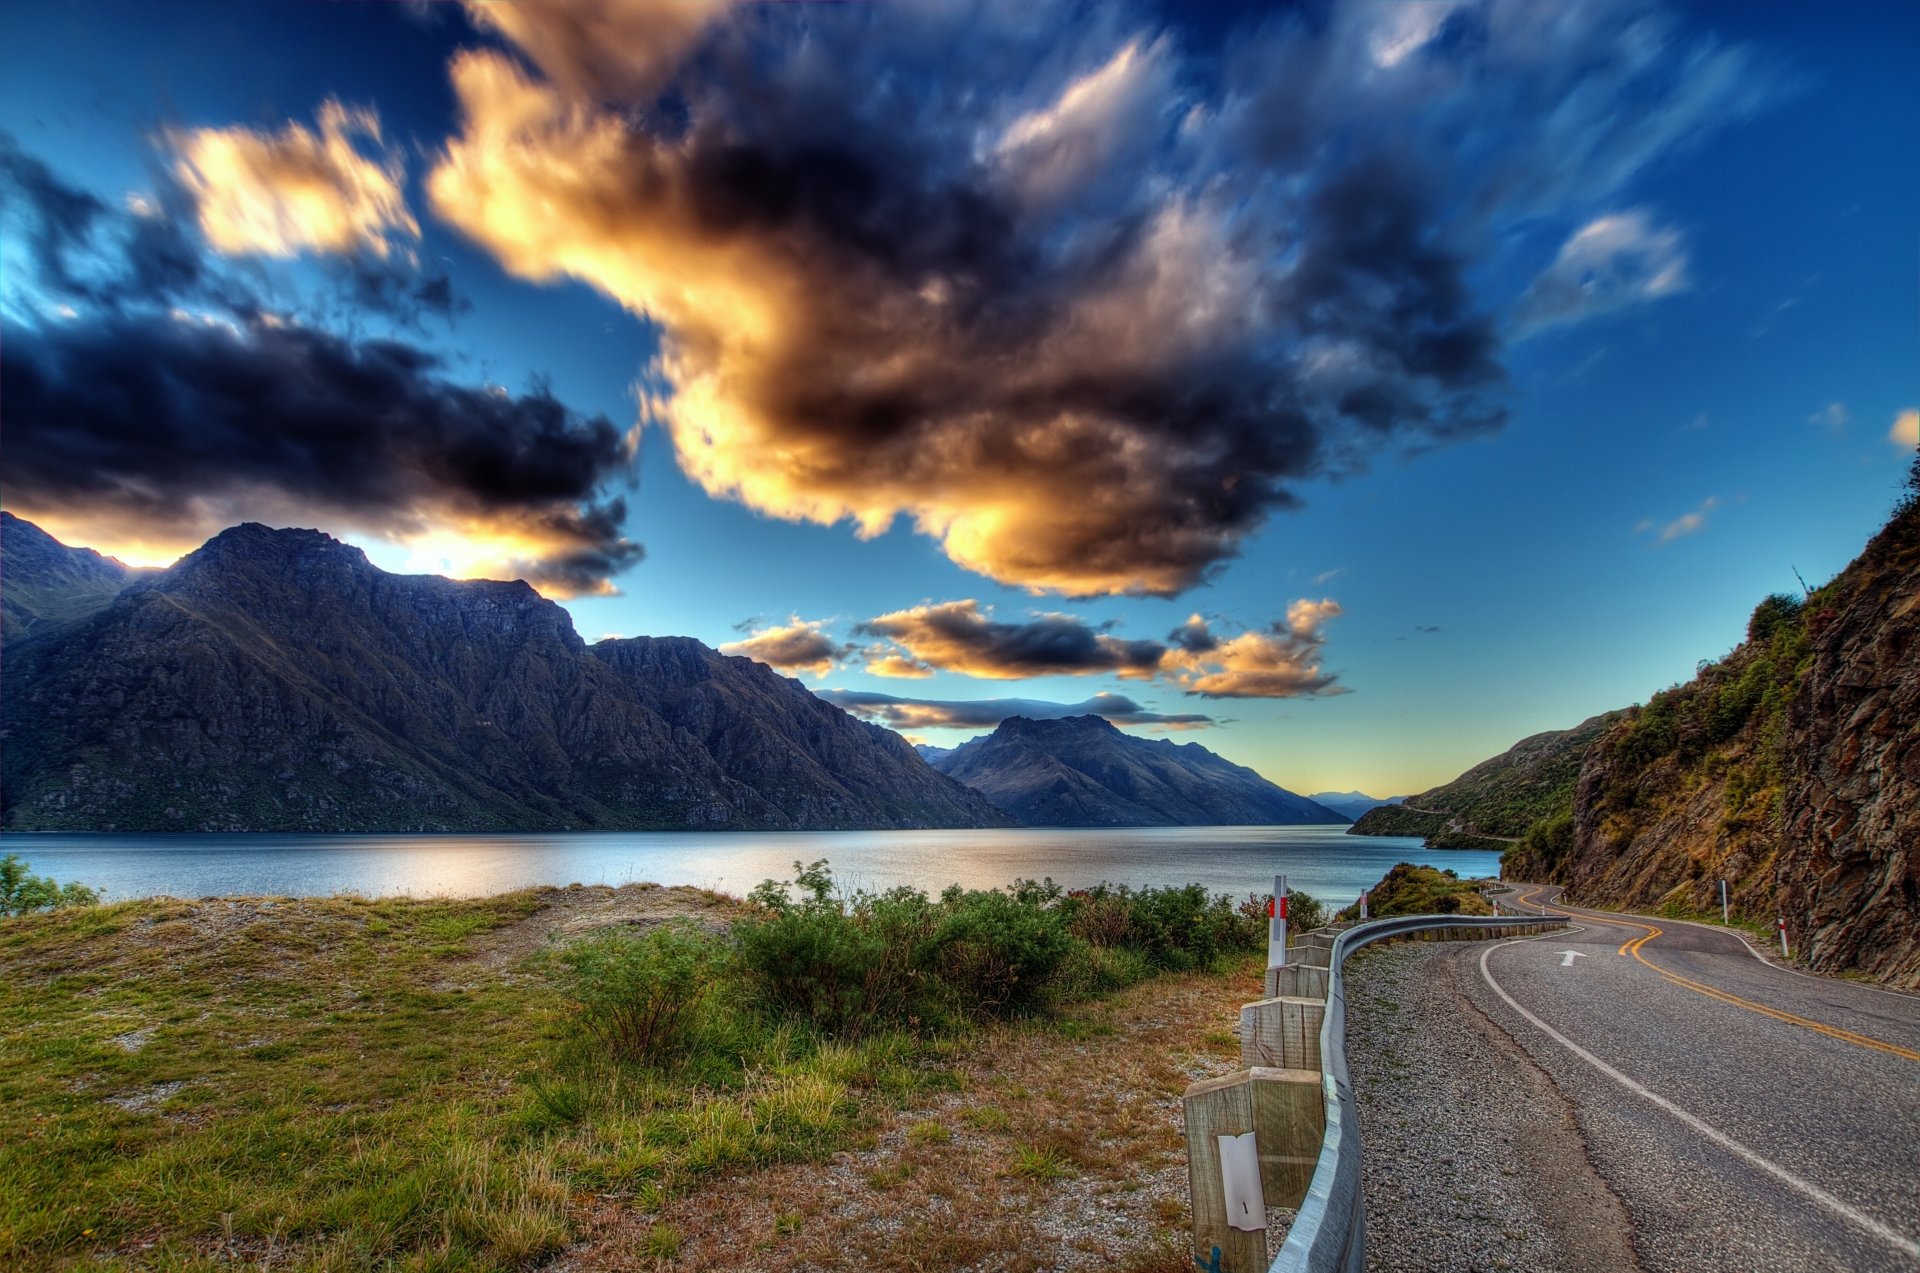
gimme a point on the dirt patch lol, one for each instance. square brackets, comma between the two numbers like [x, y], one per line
[147, 1097]
[1061, 1149]
[581, 909]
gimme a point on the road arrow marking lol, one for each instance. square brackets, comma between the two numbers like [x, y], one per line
[1571, 955]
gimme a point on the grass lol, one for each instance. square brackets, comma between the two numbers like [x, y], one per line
[348, 1083]
[333, 1083]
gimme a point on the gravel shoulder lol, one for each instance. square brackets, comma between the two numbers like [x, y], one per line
[1473, 1158]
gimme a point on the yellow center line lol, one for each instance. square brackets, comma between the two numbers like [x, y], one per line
[1632, 947]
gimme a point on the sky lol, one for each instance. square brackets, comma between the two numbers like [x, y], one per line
[1354, 388]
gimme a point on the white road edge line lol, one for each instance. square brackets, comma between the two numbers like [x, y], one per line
[1898, 1241]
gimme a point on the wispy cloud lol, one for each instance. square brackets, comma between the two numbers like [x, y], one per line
[925, 713]
[1610, 263]
[1680, 527]
[1832, 417]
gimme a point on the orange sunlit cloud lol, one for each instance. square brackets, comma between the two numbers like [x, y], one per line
[278, 194]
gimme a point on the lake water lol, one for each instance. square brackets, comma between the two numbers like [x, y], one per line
[1324, 861]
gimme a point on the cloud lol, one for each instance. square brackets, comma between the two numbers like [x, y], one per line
[959, 636]
[920, 713]
[1080, 307]
[799, 645]
[59, 219]
[1608, 264]
[1906, 428]
[1194, 636]
[1426, 629]
[279, 194]
[1681, 526]
[1281, 661]
[142, 434]
[897, 667]
[1832, 417]
[605, 49]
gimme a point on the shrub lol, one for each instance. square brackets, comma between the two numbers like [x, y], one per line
[1305, 912]
[23, 894]
[1778, 609]
[639, 996]
[847, 967]
[994, 952]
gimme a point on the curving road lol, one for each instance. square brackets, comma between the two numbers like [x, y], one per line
[1746, 1116]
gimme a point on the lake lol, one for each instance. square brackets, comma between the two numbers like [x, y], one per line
[1323, 861]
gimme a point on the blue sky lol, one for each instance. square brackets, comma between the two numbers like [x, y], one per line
[1099, 291]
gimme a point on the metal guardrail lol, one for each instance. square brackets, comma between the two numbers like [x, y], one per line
[1329, 1230]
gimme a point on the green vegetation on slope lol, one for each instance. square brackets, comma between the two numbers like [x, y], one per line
[346, 1083]
[1498, 800]
[1421, 890]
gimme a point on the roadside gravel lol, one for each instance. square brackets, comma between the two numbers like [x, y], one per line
[1473, 1160]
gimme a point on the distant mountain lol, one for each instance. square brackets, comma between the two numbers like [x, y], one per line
[276, 680]
[1352, 803]
[931, 754]
[1082, 772]
[1494, 802]
[42, 581]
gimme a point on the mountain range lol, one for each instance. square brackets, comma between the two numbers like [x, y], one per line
[1080, 771]
[276, 680]
[1353, 804]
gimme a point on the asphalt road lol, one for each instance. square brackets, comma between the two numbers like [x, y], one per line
[1746, 1116]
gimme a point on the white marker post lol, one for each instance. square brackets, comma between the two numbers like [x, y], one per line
[1723, 902]
[1783, 938]
[1363, 903]
[1277, 924]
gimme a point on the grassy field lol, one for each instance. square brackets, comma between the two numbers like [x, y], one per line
[347, 1083]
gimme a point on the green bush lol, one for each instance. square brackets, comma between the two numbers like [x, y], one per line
[994, 952]
[639, 996]
[851, 965]
[23, 894]
[847, 966]
[1305, 912]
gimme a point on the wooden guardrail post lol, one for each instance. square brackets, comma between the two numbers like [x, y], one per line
[1285, 1111]
[1282, 1033]
[1301, 980]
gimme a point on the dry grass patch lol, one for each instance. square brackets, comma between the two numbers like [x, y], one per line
[1060, 1148]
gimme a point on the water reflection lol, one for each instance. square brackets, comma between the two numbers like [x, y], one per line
[1321, 860]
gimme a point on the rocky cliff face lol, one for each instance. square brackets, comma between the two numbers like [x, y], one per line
[1082, 772]
[276, 680]
[42, 581]
[1791, 768]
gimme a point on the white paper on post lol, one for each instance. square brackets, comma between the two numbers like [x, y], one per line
[1240, 1181]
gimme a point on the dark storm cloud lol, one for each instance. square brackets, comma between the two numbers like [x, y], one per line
[958, 636]
[57, 219]
[986, 713]
[161, 400]
[1081, 308]
[191, 423]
